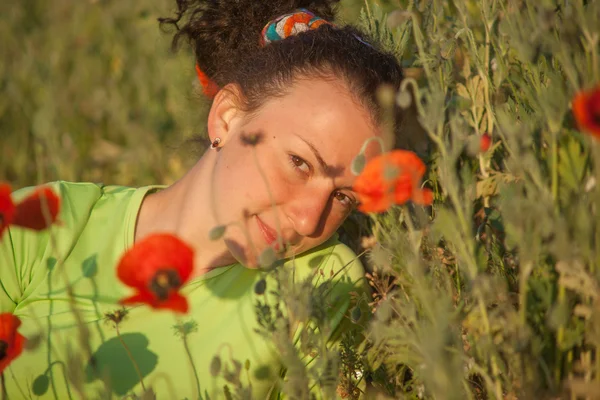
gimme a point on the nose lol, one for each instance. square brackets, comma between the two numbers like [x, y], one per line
[308, 211]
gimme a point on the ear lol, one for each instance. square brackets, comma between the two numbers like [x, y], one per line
[224, 112]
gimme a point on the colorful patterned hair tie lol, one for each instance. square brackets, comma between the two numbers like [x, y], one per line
[280, 28]
[290, 24]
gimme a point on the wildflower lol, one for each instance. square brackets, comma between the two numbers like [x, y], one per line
[209, 87]
[586, 109]
[11, 342]
[116, 316]
[157, 267]
[391, 178]
[7, 207]
[37, 211]
[485, 142]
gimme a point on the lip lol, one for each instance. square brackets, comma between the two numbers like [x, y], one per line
[268, 233]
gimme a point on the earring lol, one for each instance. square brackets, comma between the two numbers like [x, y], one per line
[215, 143]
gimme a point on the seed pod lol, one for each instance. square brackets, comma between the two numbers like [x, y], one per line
[217, 232]
[260, 287]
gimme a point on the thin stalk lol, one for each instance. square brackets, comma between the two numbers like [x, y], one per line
[560, 334]
[595, 154]
[597, 364]
[189, 354]
[3, 384]
[554, 177]
[592, 45]
[494, 364]
[64, 371]
[135, 365]
[17, 383]
[525, 271]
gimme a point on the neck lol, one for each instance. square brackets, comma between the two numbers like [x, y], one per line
[187, 210]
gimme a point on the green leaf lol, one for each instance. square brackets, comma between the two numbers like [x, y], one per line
[572, 164]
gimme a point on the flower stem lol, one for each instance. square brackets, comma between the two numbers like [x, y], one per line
[189, 354]
[554, 150]
[494, 365]
[3, 384]
[135, 365]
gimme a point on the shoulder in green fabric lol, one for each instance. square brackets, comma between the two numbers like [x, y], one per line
[80, 350]
[91, 214]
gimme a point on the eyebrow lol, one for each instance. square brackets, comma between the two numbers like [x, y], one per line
[315, 151]
[324, 166]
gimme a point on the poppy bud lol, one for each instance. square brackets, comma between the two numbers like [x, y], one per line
[40, 385]
[403, 99]
[217, 232]
[358, 164]
[260, 287]
[485, 142]
[215, 366]
[267, 257]
[356, 314]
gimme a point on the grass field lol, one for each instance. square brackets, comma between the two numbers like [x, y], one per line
[491, 293]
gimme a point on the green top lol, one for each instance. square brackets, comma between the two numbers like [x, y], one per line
[96, 226]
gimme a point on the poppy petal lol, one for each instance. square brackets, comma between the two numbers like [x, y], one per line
[374, 204]
[13, 341]
[139, 265]
[586, 109]
[175, 301]
[209, 87]
[140, 297]
[31, 211]
[423, 197]
[404, 189]
[377, 192]
[7, 207]
[485, 141]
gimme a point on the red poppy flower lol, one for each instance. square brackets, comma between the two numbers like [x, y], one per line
[209, 87]
[485, 142]
[31, 211]
[157, 267]
[586, 108]
[11, 342]
[391, 178]
[7, 207]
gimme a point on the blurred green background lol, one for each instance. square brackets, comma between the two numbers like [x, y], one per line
[92, 92]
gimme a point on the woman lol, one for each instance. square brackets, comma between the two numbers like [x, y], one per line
[295, 99]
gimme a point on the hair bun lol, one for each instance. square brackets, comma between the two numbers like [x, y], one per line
[223, 32]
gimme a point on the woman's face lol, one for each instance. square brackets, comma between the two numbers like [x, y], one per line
[295, 184]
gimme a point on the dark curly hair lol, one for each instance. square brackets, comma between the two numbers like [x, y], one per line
[225, 36]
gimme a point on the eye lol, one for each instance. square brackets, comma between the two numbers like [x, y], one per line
[344, 199]
[299, 164]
